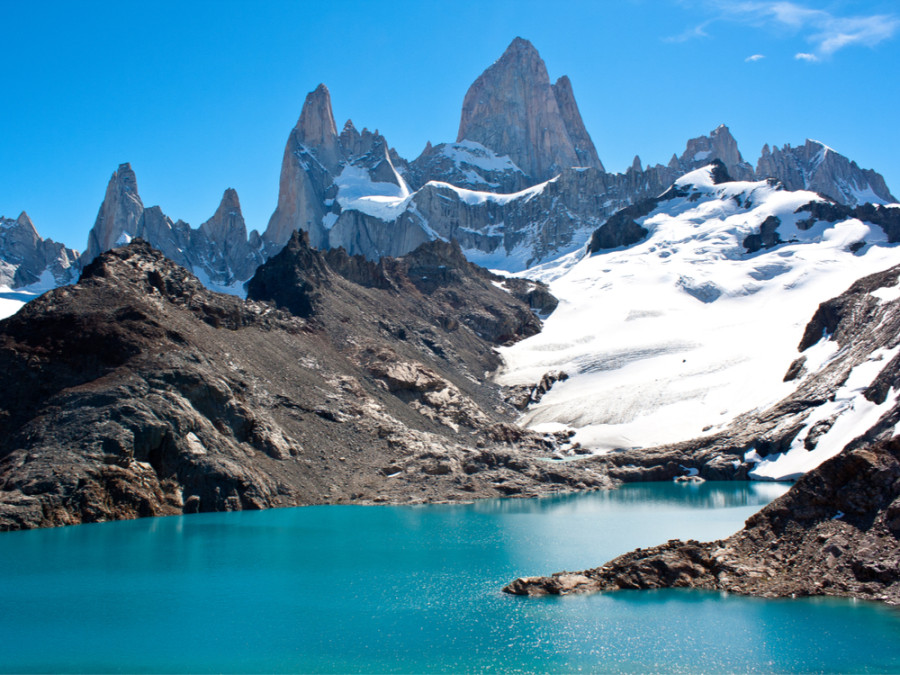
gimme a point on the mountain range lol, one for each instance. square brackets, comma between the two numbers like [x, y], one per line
[522, 184]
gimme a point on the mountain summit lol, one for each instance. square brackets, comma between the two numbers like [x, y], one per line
[514, 110]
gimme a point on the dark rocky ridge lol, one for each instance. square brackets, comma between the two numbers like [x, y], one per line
[138, 392]
[836, 532]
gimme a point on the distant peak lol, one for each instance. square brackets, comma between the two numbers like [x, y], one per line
[25, 220]
[125, 166]
[520, 44]
[316, 130]
[230, 199]
[316, 117]
[348, 126]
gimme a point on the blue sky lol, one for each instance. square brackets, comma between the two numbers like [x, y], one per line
[201, 96]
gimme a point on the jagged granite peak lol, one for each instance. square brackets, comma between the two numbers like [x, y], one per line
[317, 165]
[721, 145]
[226, 255]
[119, 214]
[228, 221]
[636, 165]
[512, 109]
[817, 167]
[304, 186]
[584, 146]
[316, 129]
[25, 257]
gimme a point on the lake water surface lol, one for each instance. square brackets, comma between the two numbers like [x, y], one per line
[410, 589]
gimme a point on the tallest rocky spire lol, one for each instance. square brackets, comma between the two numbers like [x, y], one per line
[514, 110]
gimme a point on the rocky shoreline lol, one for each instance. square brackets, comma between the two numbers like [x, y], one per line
[835, 533]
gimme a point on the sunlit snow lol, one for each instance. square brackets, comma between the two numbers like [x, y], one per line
[674, 337]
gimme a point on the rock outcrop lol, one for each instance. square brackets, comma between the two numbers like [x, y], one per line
[137, 392]
[322, 172]
[836, 532]
[514, 110]
[814, 166]
[26, 258]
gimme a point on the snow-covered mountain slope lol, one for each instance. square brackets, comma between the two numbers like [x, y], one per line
[674, 337]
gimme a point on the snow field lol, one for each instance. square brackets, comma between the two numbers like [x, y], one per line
[676, 336]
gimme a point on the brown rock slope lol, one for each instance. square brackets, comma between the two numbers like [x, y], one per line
[836, 532]
[137, 392]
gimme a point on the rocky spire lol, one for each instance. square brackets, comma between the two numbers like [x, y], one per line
[311, 155]
[120, 212]
[720, 144]
[584, 146]
[228, 255]
[513, 110]
[228, 222]
[316, 129]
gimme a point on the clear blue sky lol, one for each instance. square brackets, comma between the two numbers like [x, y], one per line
[201, 96]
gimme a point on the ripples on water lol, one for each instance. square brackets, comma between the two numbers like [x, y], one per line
[400, 589]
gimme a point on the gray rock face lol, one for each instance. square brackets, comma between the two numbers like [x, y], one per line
[120, 212]
[584, 146]
[814, 166]
[468, 165]
[720, 144]
[221, 247]
[322, 172]
[25, 257]
[514, 110]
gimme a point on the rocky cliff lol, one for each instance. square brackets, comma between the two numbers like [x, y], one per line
[119, 215]
[814, 166]
[514, 110]
[138, 392]
[26, 259]
[836, 532]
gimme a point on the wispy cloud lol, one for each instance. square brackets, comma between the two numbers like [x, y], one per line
[690, 34]
[755, 57]
[826, 32]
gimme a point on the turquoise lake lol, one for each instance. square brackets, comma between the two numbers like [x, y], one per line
[410, 589]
